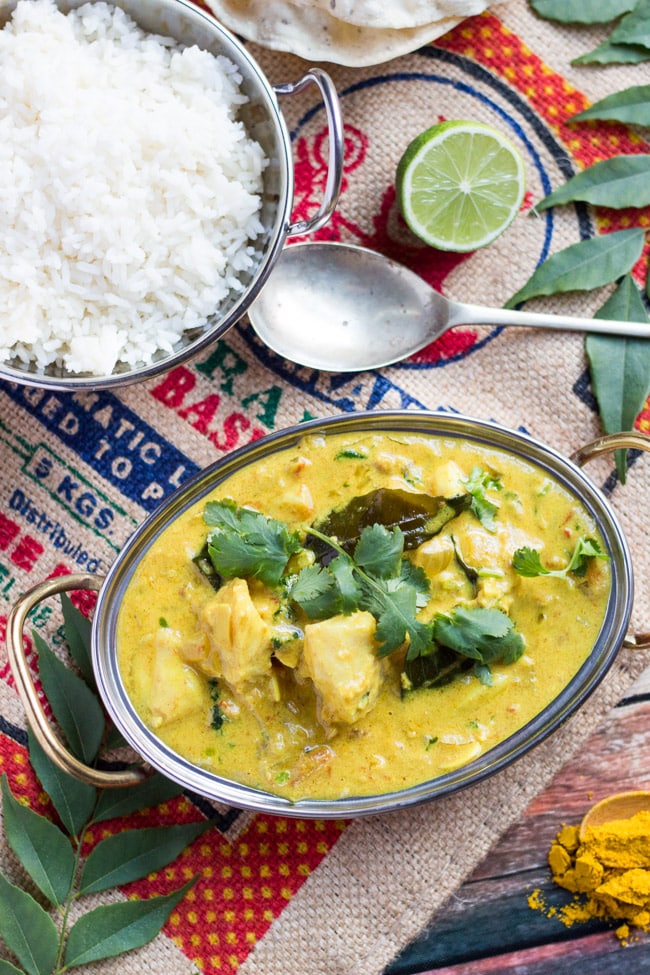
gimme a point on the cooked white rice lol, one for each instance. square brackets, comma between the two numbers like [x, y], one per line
[130, 193]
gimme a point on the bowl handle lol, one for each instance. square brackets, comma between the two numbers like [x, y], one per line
[38, 721]
[605, 445]
[335, 153]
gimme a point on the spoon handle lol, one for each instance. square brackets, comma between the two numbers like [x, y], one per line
[478, 315]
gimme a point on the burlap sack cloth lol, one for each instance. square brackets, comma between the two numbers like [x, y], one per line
[282, 896]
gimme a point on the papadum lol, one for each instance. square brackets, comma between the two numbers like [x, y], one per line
[307, 29]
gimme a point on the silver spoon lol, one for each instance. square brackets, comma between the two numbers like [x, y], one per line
[343, 308]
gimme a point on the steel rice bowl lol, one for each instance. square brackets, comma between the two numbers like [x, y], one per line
[264, 123]
[455, 428]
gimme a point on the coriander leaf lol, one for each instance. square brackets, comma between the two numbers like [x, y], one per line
[316, 591]
[620, 366]
[632, 105]
[480, 633]
[342, 570]
[484, 674]
[478, 484]
[527, 562]
[634, 27]
[585, 265]
[379, 551]
[608, 53]
[622, 181]
[396, 620]
[415, 576]
[246, 543]
[581, 11]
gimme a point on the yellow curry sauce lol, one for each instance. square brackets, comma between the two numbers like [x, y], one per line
[236, 685]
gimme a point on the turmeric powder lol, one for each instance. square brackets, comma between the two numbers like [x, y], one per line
[608, 871]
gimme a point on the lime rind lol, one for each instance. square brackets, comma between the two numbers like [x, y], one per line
[460, 185]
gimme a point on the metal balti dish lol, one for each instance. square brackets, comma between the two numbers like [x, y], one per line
[613, 633]
[263, 120]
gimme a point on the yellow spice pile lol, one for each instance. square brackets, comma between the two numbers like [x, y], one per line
[608, 871]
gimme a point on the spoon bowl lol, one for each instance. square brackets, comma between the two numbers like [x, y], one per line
[621, 805]
[343, 308]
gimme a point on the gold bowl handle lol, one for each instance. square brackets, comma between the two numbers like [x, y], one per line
[38, 721]
[605, 445]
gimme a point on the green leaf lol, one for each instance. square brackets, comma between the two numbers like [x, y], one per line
[585, 265]
[632, 106]
[634, 28]
[395, 613]
[379, 551]
[316, 591]
[608, 53]
[581, 11]
[74, 801]
[6, 968]
[480, 633]
[114, 928]
[246, 543]
[123, 802]
[75, 707]
[622, 181]
[342, 571]
[134, 853]
[44, 851]
[527, 562]
[76, 628]
[620, 367]
[478, 484]
[27, 930]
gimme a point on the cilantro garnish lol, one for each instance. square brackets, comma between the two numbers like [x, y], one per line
[478, 484]
[527, 562]
[244, 542]
[376, 578]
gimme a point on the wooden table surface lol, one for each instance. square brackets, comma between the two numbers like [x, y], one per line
[488, 926]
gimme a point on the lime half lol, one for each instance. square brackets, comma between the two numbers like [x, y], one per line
[460, 184]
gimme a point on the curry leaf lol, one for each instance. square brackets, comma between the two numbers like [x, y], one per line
[608, 53]
[114, 928]
[620, 367]
[634, 27]
[75, 707]
[77, 636]
[73, 800]
[133, 853]
[6, 968]
[44, 851]
[581, 11]
[27, 930]
[622, 181]
[123, 802]
[632, 105]
[585, 265]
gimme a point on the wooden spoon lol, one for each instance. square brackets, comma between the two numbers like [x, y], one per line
[622, 805]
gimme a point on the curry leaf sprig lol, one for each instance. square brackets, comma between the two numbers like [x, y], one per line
[619, 366]
[44, 940]
[527, 561]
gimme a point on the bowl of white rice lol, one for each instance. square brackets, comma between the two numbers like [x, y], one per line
[147, 186]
